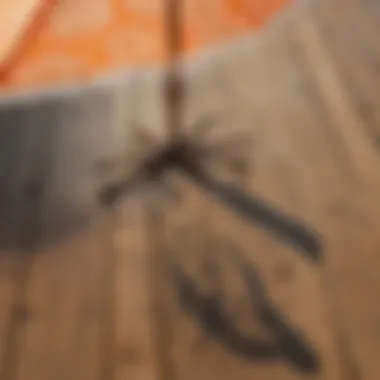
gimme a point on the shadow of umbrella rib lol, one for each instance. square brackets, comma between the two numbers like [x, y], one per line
[250, 208]
[256, 211]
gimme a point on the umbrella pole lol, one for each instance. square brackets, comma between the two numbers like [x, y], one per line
[155, 215]
[174, 87]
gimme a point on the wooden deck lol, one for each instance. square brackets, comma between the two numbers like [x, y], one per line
[87, 293]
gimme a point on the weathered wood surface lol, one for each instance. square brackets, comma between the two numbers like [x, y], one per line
[89, 293]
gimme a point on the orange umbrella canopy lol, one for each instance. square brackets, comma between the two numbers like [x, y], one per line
[15, 16]
[74, 40]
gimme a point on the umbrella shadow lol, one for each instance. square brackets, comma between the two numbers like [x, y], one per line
[30, 215]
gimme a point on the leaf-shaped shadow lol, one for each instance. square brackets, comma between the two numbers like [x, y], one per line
[285, 343]
[290, 343]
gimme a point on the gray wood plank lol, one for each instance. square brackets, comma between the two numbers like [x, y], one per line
[21, 182]
[63, 285]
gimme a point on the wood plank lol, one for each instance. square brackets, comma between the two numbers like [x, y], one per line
[277, 179]
[351, 238]
[348, 126]
[133, 333]
[356, 55]
[132, 341]
[63, 336]
[19, 152]
[363, 187]
[8, 263]
[65, 294]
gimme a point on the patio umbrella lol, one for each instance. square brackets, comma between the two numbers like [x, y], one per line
[76, 41]
[52, 41]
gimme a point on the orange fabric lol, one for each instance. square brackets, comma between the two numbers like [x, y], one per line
[78, 39]
[15, 17]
